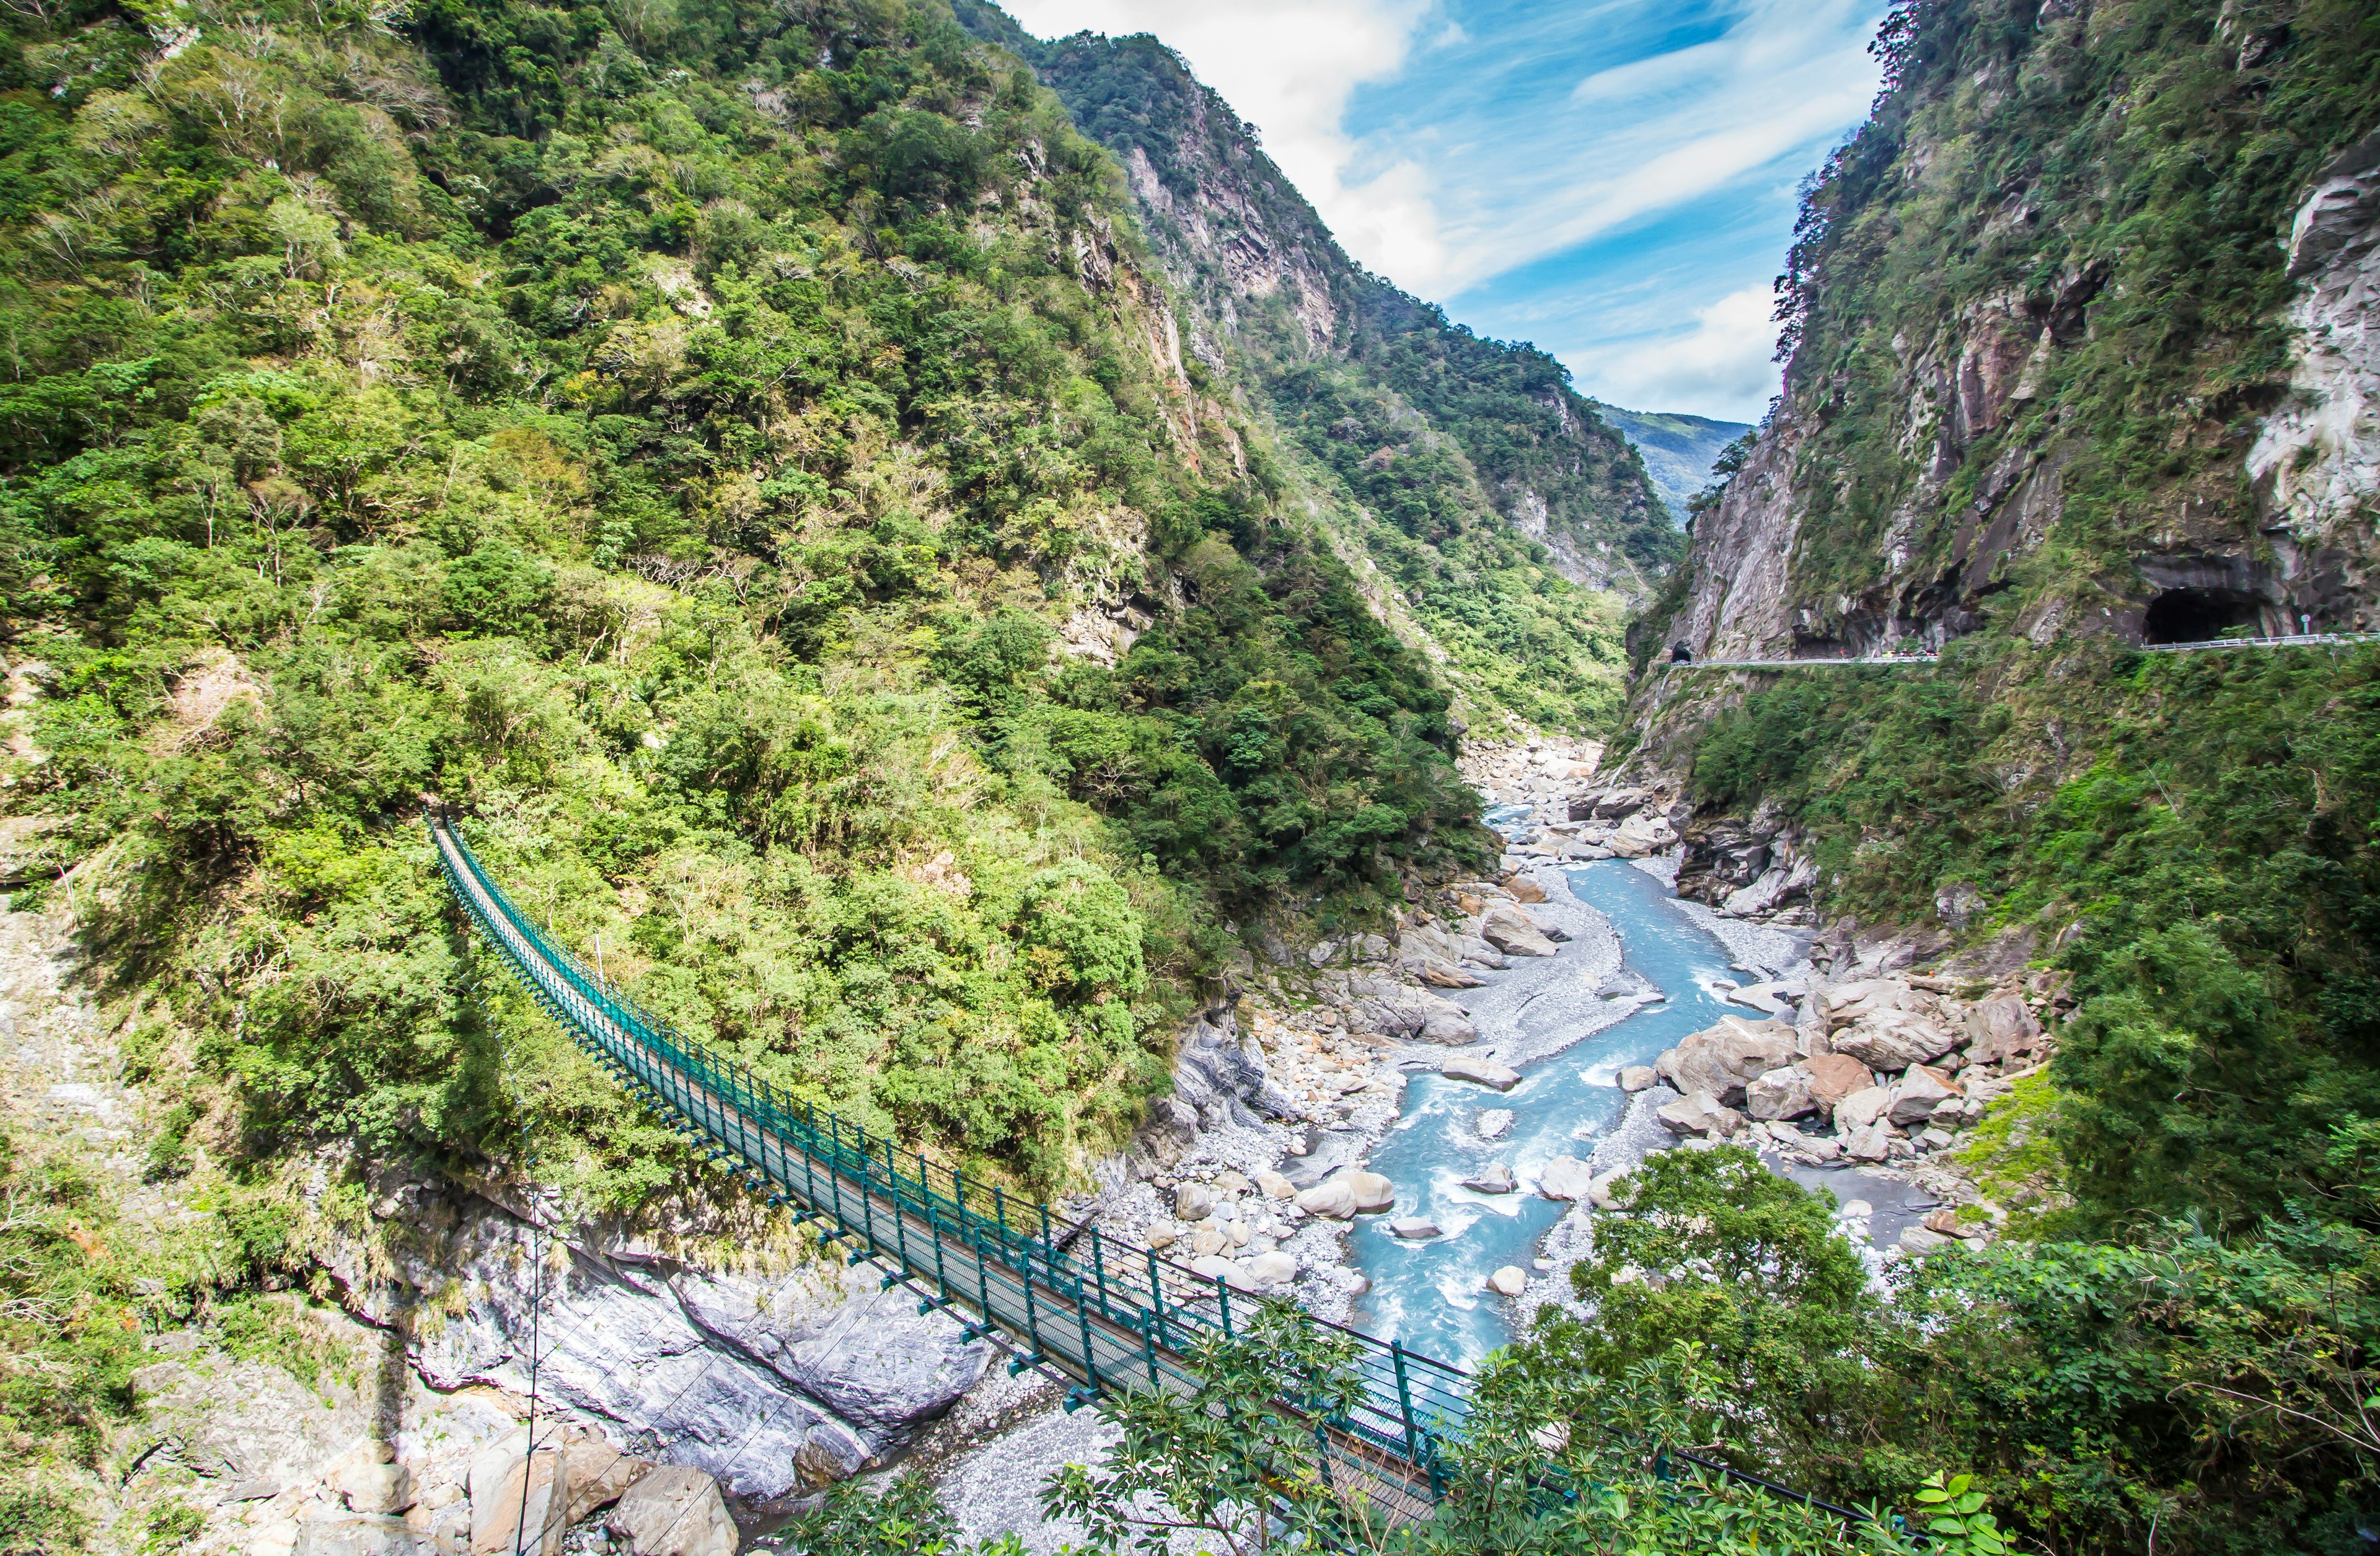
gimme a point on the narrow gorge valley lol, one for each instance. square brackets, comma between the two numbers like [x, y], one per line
[1614, 980]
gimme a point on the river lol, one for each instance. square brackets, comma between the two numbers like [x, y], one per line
[1431, 1295]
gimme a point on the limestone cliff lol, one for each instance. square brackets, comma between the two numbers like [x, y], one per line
[2059, 395]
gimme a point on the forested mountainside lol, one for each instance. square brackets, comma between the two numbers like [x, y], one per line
[2080, 331]
[1419, 436]
[1678, 451]
[737, 455]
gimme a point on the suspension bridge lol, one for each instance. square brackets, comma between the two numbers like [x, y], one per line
[1060, 1295]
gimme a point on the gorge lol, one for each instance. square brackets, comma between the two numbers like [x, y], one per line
[914, 552]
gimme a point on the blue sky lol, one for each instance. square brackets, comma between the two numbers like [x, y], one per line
[1614, 180]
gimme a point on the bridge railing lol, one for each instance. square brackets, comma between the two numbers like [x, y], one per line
[1063, 1287]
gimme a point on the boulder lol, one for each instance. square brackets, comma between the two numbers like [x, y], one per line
[1494, 1178]
[2000, 1029]
[1273, 1186]
[1565, 1177]
[1780, 1094]
[1958, 1113]
[1913, 1100]
[1639, 1078]
[1862, 1108]
[1265, 1271]
[360, 1534]
[1894, 1039]
[1214, 1267]
[1476, 952]
[1699, 1113]
[1722, 1060]
[1611, 805]
[1207, 1240]
[1917, 1240]
[1508, 1282]
[1414, 1228]
[497, 1476]
[1524, 889]
[1409, 1014]
[1843, 1003]
[1834, 1077]
[1442, 975]
[1192, 1203]
[674, 1510]
[1601, 1191]
[1640, 835]
[1333, 1199]
[598, 1473]
[1481, 1072]
[1514, 932]
[1872, 1143]
[368, 1482]
[1372, 1191]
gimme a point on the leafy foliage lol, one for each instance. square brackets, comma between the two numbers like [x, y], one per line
[677, 438]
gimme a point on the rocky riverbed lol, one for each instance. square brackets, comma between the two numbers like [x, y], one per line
[700, 1371]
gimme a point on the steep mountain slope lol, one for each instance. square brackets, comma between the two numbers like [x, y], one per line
[1678, 450]
[2083, 342]
[1448, 457]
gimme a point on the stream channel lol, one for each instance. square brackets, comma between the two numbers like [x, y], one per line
[1569, 1024]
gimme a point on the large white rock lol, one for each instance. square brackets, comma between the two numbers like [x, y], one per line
[1514, 932]
[1723, 1059]
[1894, 1039]
[1273, 1186]
[1482, 1072]
[1780, 1094]
[1193, 1201]
[1700, 1113]
[1565, 1177]
[1862, 1108]
[1508, 1282]
[1639, 1078]
[1414, 1228]
[1494, 1178]
[1372, 1190]
[1872, 1143]
[1917, 1095]
[1214, 1267]
[496, 1479]
[673, 1510]
[1333, 1199]
[1999, 1029]
[1409, 1015]
[1265, 1271]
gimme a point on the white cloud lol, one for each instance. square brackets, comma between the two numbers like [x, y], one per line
[1722, 362]
[1288, 66]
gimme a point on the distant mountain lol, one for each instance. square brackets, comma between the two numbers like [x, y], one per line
[1679, 450]
[1422, 421]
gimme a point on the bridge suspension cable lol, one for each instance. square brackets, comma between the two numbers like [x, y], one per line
[1060, 1294]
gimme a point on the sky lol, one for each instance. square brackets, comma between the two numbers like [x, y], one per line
[1615, 180]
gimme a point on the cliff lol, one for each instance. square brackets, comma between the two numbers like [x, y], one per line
[2047, 383]
[2082, 361]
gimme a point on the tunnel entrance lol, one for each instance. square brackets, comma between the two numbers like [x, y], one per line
[2194, 615]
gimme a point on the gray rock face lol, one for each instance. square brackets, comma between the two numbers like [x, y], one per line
[764, 1383]
[2316, 461]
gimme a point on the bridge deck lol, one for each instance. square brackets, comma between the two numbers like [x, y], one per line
[1063, 1295]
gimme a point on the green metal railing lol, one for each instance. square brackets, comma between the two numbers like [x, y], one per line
[1061, 1293]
